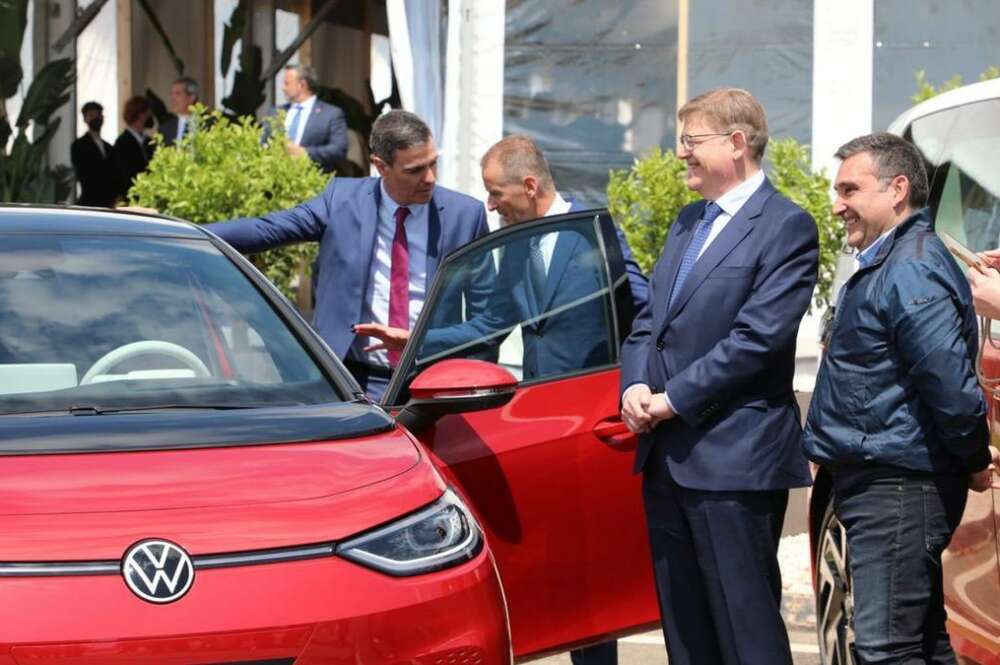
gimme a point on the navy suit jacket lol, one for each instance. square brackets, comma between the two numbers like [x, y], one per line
[344, 219]
[325, 135]
[725, 351]
[556, 343]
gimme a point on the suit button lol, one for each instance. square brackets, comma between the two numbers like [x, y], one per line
[659, 346]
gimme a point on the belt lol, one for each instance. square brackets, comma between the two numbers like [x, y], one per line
[359, 369]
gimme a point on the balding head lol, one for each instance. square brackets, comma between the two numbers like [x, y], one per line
[517, 179]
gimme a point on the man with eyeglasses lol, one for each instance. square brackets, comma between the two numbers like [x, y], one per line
[707, 383]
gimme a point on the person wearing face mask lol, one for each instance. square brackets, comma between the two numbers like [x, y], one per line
[133, 148]
[94, 161]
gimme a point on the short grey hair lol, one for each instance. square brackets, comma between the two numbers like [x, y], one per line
[397, 130]
[190, 85]
[519, 156]
[892, 156]
[305, 73]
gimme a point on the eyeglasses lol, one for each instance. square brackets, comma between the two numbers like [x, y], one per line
[687, 140]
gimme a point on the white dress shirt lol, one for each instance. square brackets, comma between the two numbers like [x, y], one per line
[182, 122]
[99, 142]
[307, 108]
[547, 242]
[730, 202]
[376, 306]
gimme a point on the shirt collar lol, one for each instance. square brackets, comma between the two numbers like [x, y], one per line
[137, 135]
[733, 200]
[867, 255]
[306, 104]
[416, 209]
[559, 206]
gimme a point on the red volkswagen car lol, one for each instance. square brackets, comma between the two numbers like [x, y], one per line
[187, 474]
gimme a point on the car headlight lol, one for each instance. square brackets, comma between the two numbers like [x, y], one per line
[441, 535]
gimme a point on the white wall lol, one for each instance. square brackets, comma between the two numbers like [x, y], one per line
[97, 70]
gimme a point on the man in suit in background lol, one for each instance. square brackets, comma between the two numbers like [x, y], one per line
[133, 148]
[380, 242]
[707, 382]
[94, 161]
[314, 128]
[183, 95]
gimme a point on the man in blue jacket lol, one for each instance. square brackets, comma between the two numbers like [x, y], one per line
[380, 242]
[897, 416]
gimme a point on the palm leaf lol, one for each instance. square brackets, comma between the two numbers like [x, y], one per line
[232, 34]
[49, 91]
[13, 19]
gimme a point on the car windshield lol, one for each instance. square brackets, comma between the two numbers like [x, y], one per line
[961, 145]
[99, 324]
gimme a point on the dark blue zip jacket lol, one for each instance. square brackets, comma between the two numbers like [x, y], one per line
[897, 386]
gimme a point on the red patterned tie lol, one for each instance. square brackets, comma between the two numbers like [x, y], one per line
[399, 281]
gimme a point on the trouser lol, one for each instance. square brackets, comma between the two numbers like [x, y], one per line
[716, 568]
[605, 653]
[897, 529]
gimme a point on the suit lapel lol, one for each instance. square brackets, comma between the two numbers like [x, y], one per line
[433, 239]
[736, 230]
[565, 248]
[368, 222]
[675, 247]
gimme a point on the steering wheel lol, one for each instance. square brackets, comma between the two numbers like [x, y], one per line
[148, 347]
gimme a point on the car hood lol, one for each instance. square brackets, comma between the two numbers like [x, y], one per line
[222, 498]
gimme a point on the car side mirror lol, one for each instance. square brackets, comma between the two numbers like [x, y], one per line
[455, 386]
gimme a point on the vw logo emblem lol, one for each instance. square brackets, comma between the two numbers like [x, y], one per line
[157, 571]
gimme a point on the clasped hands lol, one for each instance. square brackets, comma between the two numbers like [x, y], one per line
[642, 410]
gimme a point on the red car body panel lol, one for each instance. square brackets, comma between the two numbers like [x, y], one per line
[298, 494]
[333, 611]
[547, 489]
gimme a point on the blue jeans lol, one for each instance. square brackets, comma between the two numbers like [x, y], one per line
[897, 529]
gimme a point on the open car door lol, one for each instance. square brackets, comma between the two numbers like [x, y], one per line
[549, 473]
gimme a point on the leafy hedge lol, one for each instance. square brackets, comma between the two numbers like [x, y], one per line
[222, 170]
[645, 201]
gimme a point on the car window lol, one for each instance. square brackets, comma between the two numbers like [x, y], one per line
[545, 311]
[114, 322]
[961, 146]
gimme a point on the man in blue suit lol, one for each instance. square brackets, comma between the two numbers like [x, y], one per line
[707, 382]
[314, 128]
[381, 240]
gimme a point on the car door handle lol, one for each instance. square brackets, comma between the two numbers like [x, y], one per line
[614, 432]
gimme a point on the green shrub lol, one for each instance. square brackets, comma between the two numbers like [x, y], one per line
[645, 201]
[222, 170]
[926, 91]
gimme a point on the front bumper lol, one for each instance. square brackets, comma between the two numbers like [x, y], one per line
[325, 610]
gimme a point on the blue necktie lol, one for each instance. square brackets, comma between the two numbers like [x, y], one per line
[712, 210]
[293, 129]
[536, 264]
